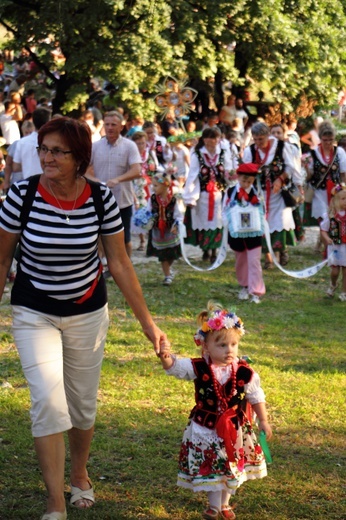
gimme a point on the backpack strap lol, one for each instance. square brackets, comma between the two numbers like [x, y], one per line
[98, 200]
[29, 199]
[30, 195]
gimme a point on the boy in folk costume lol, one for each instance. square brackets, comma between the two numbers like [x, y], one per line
[242, 206]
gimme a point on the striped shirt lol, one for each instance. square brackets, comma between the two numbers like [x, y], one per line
[59, 260]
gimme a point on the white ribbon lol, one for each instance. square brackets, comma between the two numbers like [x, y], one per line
[221, 254]
[305, 273]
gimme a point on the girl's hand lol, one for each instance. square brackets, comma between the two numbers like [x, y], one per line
[265, 426]
[165, 349]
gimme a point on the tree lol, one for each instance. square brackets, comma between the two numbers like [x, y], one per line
[294, 46]
[116, 40]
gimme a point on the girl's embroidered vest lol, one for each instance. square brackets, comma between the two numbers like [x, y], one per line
[205, 171]
[320, 169]
[169, 211]
[337, 229]
[206, 412]
[273, 170]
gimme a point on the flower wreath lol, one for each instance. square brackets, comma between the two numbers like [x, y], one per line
[219, 319]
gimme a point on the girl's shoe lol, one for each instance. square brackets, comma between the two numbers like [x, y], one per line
[255, 298]
[243, 294]
[227, 513]
[331, 290]
[167, 280]
[210, 514]
[342, 296]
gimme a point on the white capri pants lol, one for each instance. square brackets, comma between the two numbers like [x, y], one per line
[61, 359]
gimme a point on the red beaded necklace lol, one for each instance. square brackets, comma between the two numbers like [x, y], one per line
[327, 159]
[266, 153]
[219, 389]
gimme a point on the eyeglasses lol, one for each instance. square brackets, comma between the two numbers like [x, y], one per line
[56, 152]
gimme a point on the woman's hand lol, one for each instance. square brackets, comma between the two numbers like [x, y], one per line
[277, 185]
[156, 336]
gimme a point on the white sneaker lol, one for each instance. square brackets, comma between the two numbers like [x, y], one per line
[255, 298]
[167, 281]
[342, 297]
[331, 290]
[243, 294]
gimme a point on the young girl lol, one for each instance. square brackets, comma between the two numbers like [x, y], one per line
[333, 233]
[246, 243]
[203, 192]
[219, 449]
[163, 240]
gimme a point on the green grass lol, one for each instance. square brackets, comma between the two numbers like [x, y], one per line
[296, 339]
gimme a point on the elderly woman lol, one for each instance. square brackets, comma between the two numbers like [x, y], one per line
[209, 173]
[327, 167]
[59, 300]
[278, 166]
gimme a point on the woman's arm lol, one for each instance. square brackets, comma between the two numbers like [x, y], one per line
[8, 243]
[124, 275]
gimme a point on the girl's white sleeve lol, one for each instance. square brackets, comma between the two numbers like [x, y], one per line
[292, 168]
[325, 222]
[253, 391]
[342, 159]
[192, 187]
[182, 369]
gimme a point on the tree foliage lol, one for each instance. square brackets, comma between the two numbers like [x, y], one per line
[294, 46]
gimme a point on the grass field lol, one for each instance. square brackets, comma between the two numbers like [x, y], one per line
[296, 339]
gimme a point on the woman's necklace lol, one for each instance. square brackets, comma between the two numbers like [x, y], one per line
[67, 216]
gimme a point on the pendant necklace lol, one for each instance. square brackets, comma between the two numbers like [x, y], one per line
[67, 216]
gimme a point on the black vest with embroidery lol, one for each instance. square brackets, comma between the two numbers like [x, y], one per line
[206, 411]
[275, 168]
[319, 177]
[169, 211]
[205, 171]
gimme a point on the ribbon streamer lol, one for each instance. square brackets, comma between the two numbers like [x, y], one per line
[304, 273]
[221, 254]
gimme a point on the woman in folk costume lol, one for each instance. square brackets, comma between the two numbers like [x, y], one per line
[278, 168]
[210, 170]
[326, 168]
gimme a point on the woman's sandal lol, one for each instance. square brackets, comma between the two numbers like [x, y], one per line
[227, 513]
[78, 494]
[55, 516]
[210, 514]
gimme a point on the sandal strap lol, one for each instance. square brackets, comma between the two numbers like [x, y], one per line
[82, 494]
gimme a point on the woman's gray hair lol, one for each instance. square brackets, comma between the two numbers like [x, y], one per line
[260, 129]
[326, 128]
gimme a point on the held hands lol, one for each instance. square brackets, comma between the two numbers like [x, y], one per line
[165, 355]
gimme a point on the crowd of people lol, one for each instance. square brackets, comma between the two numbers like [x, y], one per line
[77, 189]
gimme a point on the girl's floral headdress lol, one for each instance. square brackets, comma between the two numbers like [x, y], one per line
[336, 189]
[217, 320]
[163, 178]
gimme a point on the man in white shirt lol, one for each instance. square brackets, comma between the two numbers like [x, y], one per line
[25, 157]
[8, 121]
[116, 161]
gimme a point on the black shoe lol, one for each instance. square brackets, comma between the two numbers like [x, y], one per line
[205, 256]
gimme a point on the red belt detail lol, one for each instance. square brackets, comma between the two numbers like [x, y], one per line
[92, 288]
[211, 189]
